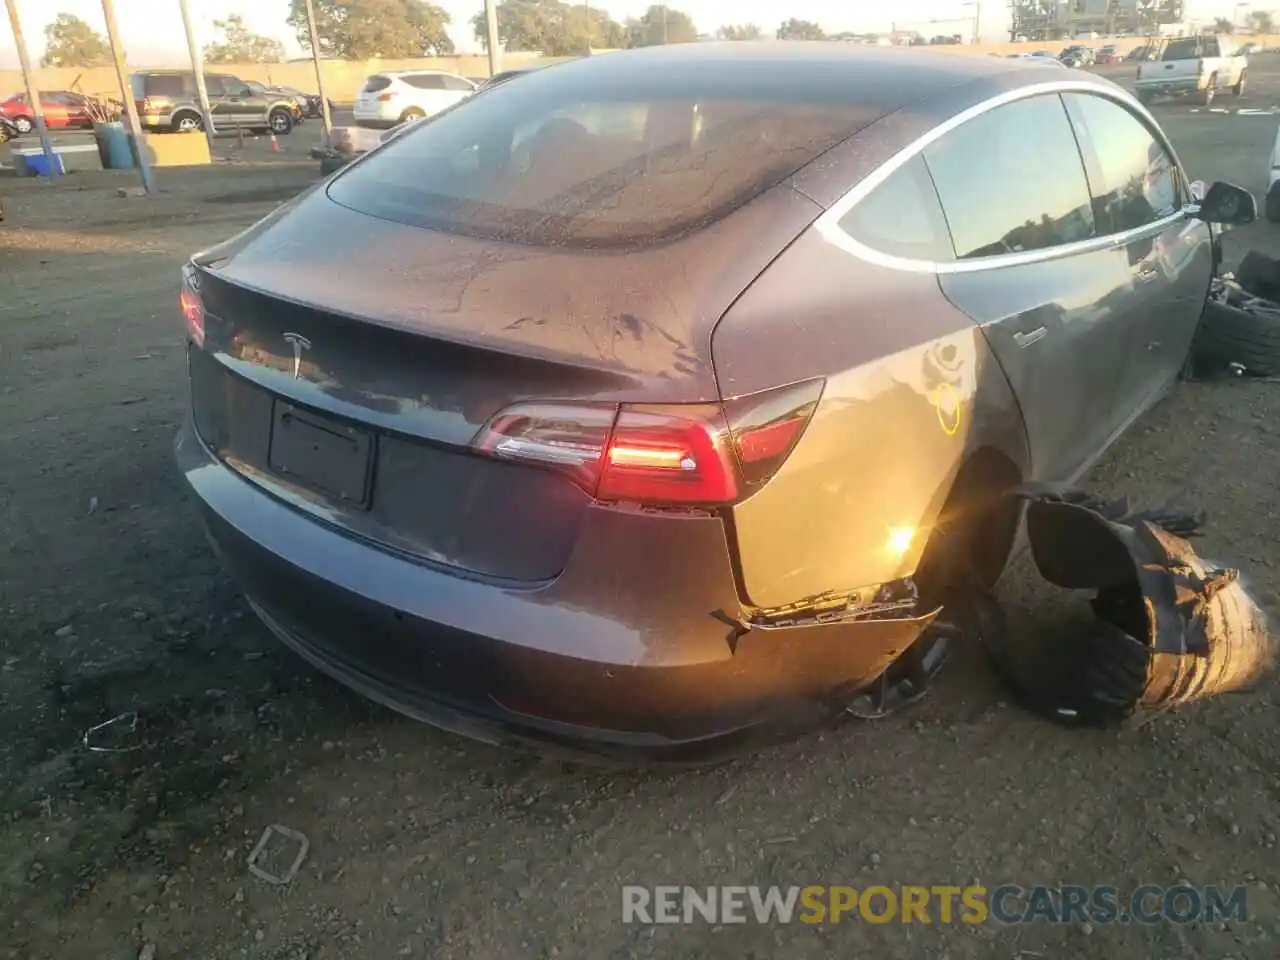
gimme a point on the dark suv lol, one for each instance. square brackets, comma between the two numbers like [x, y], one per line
[167, 100]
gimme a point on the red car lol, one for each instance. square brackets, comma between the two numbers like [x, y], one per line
[1109, 54]
[62, 110]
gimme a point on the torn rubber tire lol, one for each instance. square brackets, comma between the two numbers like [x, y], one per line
[1272, 208]
[1259, 275]
[1168, 627]
[1233, 335]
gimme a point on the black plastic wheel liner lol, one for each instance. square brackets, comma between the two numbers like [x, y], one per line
[1168, 628]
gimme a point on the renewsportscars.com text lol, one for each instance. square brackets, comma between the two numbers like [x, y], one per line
[1006, 904]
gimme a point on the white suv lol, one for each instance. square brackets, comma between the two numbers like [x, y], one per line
[388, 99]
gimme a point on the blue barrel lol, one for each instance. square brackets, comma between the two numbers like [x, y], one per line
[114, 146]
[37, 165]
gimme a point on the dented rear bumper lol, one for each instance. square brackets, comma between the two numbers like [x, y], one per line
[636, 651]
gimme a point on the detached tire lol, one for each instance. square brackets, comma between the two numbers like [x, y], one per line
[1229, 335]
[1273, 203]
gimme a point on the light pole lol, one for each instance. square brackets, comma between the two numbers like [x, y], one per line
[325, 120]
[197, 64]
[491, 34]
[33, 95]
[126, 94]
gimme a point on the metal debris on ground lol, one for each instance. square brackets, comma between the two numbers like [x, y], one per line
[261, 850]
[117, 735]
[1168, 626]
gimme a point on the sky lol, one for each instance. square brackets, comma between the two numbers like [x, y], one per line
[152, 33]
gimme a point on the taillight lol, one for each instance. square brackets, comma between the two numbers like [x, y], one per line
[386, 97]
[658, 453]
[766, 427]
[192, 306]
[672, 453]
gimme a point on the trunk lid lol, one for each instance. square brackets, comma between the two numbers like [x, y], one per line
[392, 345]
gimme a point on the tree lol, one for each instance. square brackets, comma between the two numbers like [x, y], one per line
[794, 29]
[551, 27]
[660, 24]
[70, 42]
[1223, 25]
[745, 31]
[240, 45]
[1262, 21]
[367, 29]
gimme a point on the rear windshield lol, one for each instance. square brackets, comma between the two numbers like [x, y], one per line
[376, 83]
[166, 85]
[553, 160]
[1188, 49]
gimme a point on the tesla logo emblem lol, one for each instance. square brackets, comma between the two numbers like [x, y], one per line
[300, 344]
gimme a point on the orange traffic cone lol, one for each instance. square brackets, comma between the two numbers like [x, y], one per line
[275, 144]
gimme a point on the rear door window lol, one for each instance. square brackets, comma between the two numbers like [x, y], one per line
[425, 81]
[1011, 180]
[457, 83]
[902, 217]
[1133, 178]
[551, 161]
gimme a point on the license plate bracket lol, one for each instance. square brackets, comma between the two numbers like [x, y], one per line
[321, 453]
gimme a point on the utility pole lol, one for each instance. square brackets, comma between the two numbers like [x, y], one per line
[33, 95]
[664, 24]
[197, 64]
[325, 119]
[491, 34]
[977, 19]
[126, 94]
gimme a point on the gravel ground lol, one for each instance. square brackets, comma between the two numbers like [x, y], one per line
[422, 844]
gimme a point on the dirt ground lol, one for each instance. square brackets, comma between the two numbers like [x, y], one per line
[426, 845]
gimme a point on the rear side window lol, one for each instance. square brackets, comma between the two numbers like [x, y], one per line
[1011, 180]
[376, 83]
[456, 83]
[166, 85]
[1187, 49]
[1133, 178]
[425, 81]
[902, 217]
[555, 160]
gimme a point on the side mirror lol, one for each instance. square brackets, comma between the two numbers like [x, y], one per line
[1227, 204]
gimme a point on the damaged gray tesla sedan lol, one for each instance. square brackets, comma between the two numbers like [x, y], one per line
[628, 409]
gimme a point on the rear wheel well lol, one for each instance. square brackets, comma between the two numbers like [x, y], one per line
[975, 530]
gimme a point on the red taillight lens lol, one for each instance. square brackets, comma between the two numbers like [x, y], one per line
[669, 454]
[767, 426]
[386, 98]
[658, 453]
[192, 309]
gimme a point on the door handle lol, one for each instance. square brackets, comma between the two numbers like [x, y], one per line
[1147, 274]
[1025, 340]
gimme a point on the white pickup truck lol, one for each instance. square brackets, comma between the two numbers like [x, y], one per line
[1201, 67]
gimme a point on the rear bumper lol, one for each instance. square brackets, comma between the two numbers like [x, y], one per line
[381, 116]
[1171, 87]
[630, 654]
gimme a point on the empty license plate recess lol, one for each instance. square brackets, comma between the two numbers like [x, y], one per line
[320, 453]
